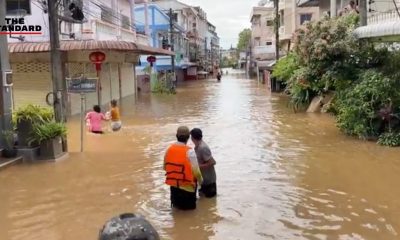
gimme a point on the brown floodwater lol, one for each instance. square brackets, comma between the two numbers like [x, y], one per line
[280, 175]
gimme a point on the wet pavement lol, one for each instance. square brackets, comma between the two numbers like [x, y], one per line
[280, 175]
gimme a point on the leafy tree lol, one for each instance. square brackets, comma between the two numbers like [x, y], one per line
[244, 39]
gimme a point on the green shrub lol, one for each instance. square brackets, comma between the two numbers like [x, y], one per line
[34, 114]
[359, 108]
[391, 139]
[47, 131]
[285, 67]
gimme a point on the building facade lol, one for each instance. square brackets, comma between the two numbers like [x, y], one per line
[107, 27]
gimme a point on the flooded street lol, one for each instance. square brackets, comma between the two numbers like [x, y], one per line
[280, 175]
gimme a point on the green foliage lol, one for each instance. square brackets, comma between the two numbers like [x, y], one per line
[228, 63]
[285, 67]
[299, 88]
[366, 109]
[391, 139]
[8, 139]
[47, 131]
[244, 39]
[164, 84]
[34, 114]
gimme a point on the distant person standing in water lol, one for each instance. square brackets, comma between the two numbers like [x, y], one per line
[94, 118]
[206, 163]
[116, 123]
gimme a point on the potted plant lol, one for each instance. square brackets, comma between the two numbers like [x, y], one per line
[24, 119]
[49, 136]
[9, 150]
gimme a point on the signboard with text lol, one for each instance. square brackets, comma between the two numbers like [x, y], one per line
[82, 85]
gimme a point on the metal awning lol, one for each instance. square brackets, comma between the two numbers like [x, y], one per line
[308, 3]
[91, 45]
[385, 31]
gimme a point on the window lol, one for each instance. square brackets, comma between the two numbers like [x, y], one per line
[269, 43]
[175, 17]
[106, 14]
[13, 6]
[282, 18]
[125, 23]
[305, 18]
[270, 23]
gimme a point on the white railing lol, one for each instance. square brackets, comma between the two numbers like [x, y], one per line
[143, 39]
[264, 49]
[128, 35]
[107, 29]
[281, 30]
[264, 52]
[384, 17]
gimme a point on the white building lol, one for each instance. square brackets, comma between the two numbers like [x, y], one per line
[107, 28]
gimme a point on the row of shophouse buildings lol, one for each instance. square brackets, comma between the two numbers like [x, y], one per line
[126, 31]
[383, 24]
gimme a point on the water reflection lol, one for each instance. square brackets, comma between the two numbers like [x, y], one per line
[280, 175]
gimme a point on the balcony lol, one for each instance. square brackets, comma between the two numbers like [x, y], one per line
[282, 30]
[264, 52]
[143, 39]
[99, 30]
[389, 16]
[381, 27]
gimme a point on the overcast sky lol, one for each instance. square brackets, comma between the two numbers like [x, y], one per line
[229, 16]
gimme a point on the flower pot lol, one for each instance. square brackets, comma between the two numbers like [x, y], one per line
[51, 149]
[10, 153]
[24, 129]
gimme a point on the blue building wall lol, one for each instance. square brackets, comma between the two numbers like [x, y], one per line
[158, 22]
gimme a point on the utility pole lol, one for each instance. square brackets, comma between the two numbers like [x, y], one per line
[172, 39]
[55, 58]
[59, 85]
[363, 12]
[5, 92]
[276, 4]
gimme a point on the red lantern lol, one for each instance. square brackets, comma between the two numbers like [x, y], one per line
[97, 58]
[151, 60]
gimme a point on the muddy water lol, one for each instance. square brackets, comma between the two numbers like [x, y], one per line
[280, 175]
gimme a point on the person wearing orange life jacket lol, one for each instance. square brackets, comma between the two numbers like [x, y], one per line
[182, 171]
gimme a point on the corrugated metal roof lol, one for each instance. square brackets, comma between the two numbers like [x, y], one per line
[32, 47]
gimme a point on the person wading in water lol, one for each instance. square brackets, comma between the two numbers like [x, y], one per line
[182, 171]
[206, 163]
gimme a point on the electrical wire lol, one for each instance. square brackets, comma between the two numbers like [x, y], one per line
[397, 9]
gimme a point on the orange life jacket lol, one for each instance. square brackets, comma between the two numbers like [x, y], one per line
[178, 167]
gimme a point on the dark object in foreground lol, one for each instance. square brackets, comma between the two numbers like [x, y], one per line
[128, 226]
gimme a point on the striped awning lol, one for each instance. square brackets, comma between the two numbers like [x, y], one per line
[91, 45]
[385, 31]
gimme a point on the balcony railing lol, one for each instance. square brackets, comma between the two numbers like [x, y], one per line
[263, 49]
[384, 17]
[142, 39]
[281, 30]
[100, 30]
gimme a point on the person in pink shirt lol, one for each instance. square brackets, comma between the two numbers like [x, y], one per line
[95, 118]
